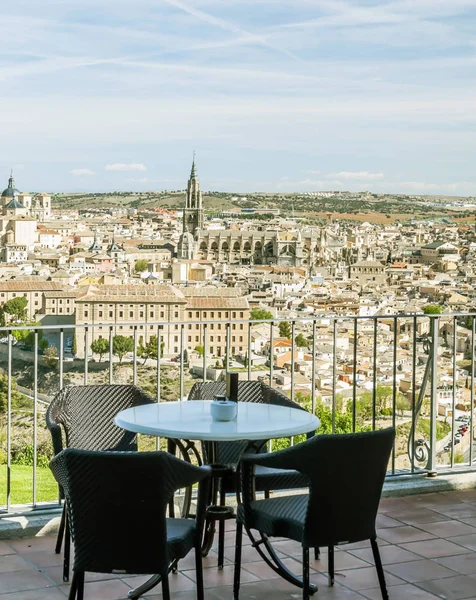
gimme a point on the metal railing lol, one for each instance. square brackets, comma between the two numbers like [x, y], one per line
[415, 372]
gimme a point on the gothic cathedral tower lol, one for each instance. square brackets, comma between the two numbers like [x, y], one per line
[193, 211]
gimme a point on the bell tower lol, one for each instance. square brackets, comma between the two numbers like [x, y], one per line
[193, 211]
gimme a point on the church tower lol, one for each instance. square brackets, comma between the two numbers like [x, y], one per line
[193, 211]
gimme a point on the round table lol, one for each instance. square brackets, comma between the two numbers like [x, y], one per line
[192, 421]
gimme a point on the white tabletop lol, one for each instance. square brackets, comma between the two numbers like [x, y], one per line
[191, 420]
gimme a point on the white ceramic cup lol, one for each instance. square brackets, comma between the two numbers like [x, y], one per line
[223, 410]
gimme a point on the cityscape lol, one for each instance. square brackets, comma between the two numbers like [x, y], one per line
[238, 300]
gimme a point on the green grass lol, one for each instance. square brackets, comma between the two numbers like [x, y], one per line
[22, 485]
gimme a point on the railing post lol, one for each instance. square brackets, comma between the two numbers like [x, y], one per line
[9, 421]
[433, 397]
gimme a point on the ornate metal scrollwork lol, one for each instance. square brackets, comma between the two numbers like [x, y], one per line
[419, 449]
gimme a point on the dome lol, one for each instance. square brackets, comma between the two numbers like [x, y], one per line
[10, 191]
[14, 204]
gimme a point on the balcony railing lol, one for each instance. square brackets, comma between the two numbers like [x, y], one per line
[415, 372]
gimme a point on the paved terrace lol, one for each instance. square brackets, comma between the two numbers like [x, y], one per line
[428, 547]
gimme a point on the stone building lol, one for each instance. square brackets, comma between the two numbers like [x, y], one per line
[38, 207]
[365, 271]
[245, 247]
[126, 307]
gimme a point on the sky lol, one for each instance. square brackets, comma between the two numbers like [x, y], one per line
[272, 95]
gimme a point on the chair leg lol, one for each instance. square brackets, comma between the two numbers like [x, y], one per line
[236, 576]
[267, 494]
[59, 539]
[67, 549]
[199, 571]
[165, 586]
[305, 573]
[331, 565]
[221, 529]
[379, 567]
[317, 553]
[80, 586]
[74, 587]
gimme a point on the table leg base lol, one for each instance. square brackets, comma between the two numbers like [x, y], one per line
[145, 587]
[273, 561]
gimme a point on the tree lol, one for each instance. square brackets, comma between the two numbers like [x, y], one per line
[51, 357]
[140, 265]
[149, 350]
[100, 346]
[43, 344]
[121, 345]
[260, 314]
[301, 341]
[433, 309]
[285, 330]
[16, 308]
[199, 350]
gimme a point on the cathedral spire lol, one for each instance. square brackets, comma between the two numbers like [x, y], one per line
[192, 172]
[11, 181]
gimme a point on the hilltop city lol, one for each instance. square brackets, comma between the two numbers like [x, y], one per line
[132, 266]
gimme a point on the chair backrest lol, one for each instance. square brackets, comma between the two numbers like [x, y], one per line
[248, 391]
[117, 504]
[86, 413]
[346, 474]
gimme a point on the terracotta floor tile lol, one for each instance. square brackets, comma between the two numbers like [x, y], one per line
[400, 592]
[53, 593]
[362, 579]
[389, 555]
[392, 504]
[464, 563]
[178, 582]
[35, 544]
[106, 590]
[434, 548]
[448, 529]
[420, 570]
[13, 562]
[468, 541]
[22, 580]
[457, 511]
[452, 588]
[44, 559]
[215, 578]
[5, 548]
[406, 533]
[384, 521]
[414, 516]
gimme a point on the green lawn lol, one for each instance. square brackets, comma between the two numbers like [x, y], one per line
[22, 485]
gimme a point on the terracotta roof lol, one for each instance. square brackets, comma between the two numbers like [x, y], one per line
[29, 286]
[211, 292]
[218, 303]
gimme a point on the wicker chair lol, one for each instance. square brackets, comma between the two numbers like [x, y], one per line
[229, 453]
[81, 416]
[117, 503]
[346, 474]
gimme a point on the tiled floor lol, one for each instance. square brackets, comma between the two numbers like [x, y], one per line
[428, 547]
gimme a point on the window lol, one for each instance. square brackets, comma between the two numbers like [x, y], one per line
[189, 314]
[233, 338]
[175, 338]
[111, 314]
[233, 326]
[241, 315]
[234, 314]
[162, 314]
[211, 338]
[121, 313]
[241, 338]
[61, 310]
[211, 350]
[241, 326]
[176, 327]
[151, 314]
[205, 315]
[189, 338]
[212, 315]
[36, 294]
[219, 315]
[176, 315]
[100, 312]
[131, 313]
[197, 338]
[141, 313]
[85, 313]
[175, 349]
[190, 327]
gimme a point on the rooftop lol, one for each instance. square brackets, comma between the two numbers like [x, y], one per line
[427, 542]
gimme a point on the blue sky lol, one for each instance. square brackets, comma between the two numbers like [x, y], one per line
[273, 95]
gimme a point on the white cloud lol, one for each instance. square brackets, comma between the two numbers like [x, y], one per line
[140, 180]
[81, 172]
[126, 167]
[357, 175]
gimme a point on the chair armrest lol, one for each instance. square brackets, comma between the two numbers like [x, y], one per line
[282, 459]
[56, 434]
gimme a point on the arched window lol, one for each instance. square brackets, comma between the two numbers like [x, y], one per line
[214, 246]
[203, 246]
[236, 246]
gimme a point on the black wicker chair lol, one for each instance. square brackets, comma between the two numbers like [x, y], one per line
[346, 475]
[82, 416]
[229, 453]
[117, 503]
